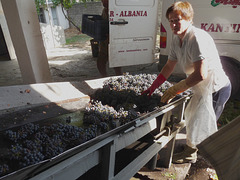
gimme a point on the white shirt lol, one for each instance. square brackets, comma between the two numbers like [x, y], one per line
[198, 45]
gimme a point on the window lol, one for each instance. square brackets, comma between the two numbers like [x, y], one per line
[54, 16]
[41, 16]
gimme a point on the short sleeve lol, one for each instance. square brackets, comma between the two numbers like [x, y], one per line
[198, 47]
[172, 52]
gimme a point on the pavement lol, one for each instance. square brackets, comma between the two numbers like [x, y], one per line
[73, 64]
[174, 172]
[67, 64]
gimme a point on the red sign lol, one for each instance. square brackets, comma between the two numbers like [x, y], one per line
[129, 13]
[230, 28]
[234, 3]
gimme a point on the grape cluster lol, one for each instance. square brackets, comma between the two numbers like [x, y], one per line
[128, 100]
[22, 133]
[137, 83]
[105, 117]
[4, 169]
[31, 143]
[96, 113]
[70, 135]
[25, 156]
[91, 132]
[125, 92]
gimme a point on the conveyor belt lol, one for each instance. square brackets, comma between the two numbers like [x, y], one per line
[88, 154]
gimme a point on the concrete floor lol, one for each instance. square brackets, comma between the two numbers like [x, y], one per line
[67, 64]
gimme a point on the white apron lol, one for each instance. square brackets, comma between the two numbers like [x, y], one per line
[199, 114]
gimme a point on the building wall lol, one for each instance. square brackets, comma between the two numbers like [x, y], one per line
[53, 31]
[75, 13]
[62, 21]
[53, 36]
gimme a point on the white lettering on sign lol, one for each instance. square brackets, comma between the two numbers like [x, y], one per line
[129, 13]
[211, 27]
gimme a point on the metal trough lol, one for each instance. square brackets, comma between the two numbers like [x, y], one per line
[144, 137]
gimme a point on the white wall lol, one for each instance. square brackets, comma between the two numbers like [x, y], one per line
[63, 22]
[53, 36]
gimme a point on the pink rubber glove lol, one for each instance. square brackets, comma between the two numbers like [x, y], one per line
[156, 83]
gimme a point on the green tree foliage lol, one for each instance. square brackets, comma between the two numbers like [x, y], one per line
[40, 4]
[65, 4]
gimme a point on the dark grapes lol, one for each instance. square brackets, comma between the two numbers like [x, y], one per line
[32, 144]
[117, 103]
[4, 169]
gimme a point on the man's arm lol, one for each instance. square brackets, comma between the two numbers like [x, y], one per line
[200, 73]
[168, 68]
[162, 77]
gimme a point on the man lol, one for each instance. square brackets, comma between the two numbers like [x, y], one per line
[103, 48]
[195, 51]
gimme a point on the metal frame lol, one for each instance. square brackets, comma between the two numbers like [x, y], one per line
[105, 150]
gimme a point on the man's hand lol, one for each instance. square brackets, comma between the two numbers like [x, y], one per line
[173, 91]
[160, 79]
[150, 90]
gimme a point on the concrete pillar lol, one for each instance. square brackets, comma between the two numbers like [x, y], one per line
[24, 28]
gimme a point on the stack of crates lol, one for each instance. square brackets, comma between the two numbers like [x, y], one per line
[94, 26]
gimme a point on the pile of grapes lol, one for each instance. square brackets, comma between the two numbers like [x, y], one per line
[117, 103]
[125, 92]
[137, 83]
[31, 143]
[106, 117]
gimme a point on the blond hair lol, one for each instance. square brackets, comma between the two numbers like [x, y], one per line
[182, 8]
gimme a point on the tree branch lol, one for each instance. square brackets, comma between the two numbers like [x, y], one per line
[69, 18]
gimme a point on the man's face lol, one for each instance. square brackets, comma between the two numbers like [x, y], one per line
[178, 24]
